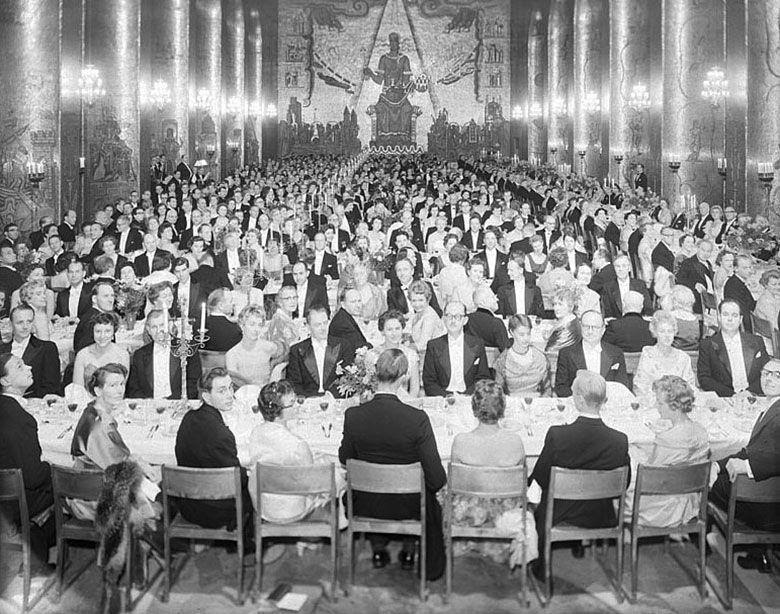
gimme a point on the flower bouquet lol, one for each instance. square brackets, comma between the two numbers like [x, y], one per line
[359, 378]
[128, 302]
[751, 239]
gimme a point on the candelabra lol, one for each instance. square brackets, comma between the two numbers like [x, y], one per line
[36, 173]
[581, 153]
[554, 154]
[159, 95]
[715, 88]
[723, 172]
[183, 347]
[766, 175]
[618, 158]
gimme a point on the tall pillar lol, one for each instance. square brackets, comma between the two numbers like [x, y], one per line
[72, 147]
[591, 73]
[206, 82]
[233, 108]
[518, 75]
[736, 106]
[635, 58]
[112, 122]
[29, 121]
[560, 82]
[253, 93]
[537, 85]
[269, 20]
[165, 37]
[692, 128]
[763, 100]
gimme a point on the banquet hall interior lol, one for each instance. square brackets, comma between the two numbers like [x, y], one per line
[360, 306]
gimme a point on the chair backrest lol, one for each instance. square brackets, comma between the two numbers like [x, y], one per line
[288, 480]
[708, 301]
[73, 483]
[493, 482]
[210, 359]
[203, 484]
[388, 479]
[765, 491]
[587, 484]
[12, 490]
[678, 480]
[632, 361]
[764, 328]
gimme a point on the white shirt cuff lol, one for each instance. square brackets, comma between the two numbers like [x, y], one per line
[748, 469]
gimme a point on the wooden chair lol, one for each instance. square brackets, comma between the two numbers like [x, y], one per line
[632, 361]
[583, 485]
[764, 329]
[385, 479]
[483, 482]
[311, 480]
[12, 494]
[209, 359]
[207, 485]
[737, 532]
[670, 481]
[84, 485]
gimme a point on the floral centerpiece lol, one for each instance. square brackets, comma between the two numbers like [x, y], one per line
[129, 299]
[359, 378]
[380, 263]
[752, 239]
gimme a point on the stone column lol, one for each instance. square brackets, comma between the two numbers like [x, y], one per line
[692, 128]
[635, 57]
[233, 108]
[165, 37]
[736, 107]
[206, 82]
[253, 49]
[591, 73]
[560, 81]
[112, 122]
[29, 109]
[763, 100]
[537, 85]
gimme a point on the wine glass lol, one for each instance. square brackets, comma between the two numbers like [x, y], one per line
[300, 399]
[324, 405]
[635, 405]
[450, 398]
[560, 406]
[72, 407]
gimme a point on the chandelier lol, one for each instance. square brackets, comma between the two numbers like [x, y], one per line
[90, 84]
[716, 87]
[159, 95]
[203, 99]
[592, 103]
[639, 99]
[559, 108]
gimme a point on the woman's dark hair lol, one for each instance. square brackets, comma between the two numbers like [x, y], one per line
[558, 257]
[269, 401]
[391, 314]
[98, 378]
[459, 254]
[488, 402]
[4, 358]
[105, 317]
[519, 320]
[155, 290]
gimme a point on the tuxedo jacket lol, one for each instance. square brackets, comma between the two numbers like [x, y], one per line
[44, 360]
[134, 242]
[498, 272]
[556, 234]
[762, 450]
[20, 448]
[640, 181]
[630, 333]
[63, 296]
[587, 443]
[343, 239]
[50, 265]
[195, 299]
[221, 261]
[612, 302]
[612, 235]
[725, 230]
[460, 221]
[692, 272]
[736, 290]
[663, 256]
[714, 369]
[507, 304]
[679, 222]
[329, 266]
[67, 233]
[579, 258]
[468, 241]
[140, 381]
[572, 358]
[343, 326]
[316, 296]
[488, 328]
[223, 334]
[302, 370]
[396, 299]
[698, 227]
[141, 262]
[10, 281]
[185, 170]
[437, 370]
[269, 234]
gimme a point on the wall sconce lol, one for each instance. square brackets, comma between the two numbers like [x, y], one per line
[203, 99]
[674, 163]
[233, 105]
[270, 110]
[234, 144]
[715, 87]
[91, 85]
[639, 98]
[535, 111]
[159, 95]
[592, 103]
[517, 113]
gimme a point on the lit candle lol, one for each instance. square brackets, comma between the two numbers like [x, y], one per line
[82, 162]
[166, 325]
[202, 317]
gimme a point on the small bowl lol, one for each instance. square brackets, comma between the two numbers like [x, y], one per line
[561, 407]
[635, 405]
[72, 407]
[324, 405]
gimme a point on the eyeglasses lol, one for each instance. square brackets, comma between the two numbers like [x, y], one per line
[590, 326]
[453, 316]
[771, 373]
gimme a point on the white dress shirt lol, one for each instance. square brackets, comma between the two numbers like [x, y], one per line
[592, 357]
[457, 382]
[150, 258]
[334, 245]
[123, 241]
[736, 362]
[519, 296]
[474, 240]
[74, 295]
[302, 298]
[623, 286]
[319, 357]
[572, 262]
[491, 255]
[318, 256]
[233, 260]
[161, 368]
[18, 347]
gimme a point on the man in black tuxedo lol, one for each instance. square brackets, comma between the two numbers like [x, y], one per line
[58, 253]
[461, 221]
[67, 230]
[399, 294]
[387, 431]
[311, 366]
[631, 332]
[730, 223]
[336, 238]
[612, 294]
[344, 326]
[590, 353]
[639, 180]
[188, 292]
[473, 239]
[456, 361]
[204, 441]
[731, 361]
[143, 263]
[521, 294]
[311, 289]
[232, 257]
[495, 260]
[223, 332]
[759, 460]
[701, 220]
[736, 289]
[102, 298]
[75, 300]
[696, 273]
[20, 448]
[10, 280]
[662, 254]
[128, 239]
[41, 356]
[587, 443]
[549, 234]
[603, 270]
[483, 324]
[574, 258]
[265, 233]
[38, 237]
[324, 263]
[155, 372]
[184, 169]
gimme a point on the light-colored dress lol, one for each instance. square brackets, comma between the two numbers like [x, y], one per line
[523, 374]
[373, 302]
[566, 332]
[550, 281]
[687, 442]
[424, 326]
[454, 284]
[88, 361]
[254, 364]
[768, 307]
[532, 266]
[653, 363]
[283, 327]
[587, 300]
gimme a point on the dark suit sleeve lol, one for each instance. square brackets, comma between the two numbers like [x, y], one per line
[564, 375]
[502, 337]
[483, 371]
[619, 375]
[537, 305]
[50, 381]
[610, 336]
[432, 386]
[762, 453]
[82, 337]
[347, 447]
[434, 302]
[435, 477]
[194, 372]
[61, 307]
[647, 306]
[294, 368]
[134, 389]
[545, 462]
[707, 379]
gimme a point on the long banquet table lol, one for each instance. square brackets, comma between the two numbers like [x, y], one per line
[149, 426]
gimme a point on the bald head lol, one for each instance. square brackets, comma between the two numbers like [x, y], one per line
[633, 302]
